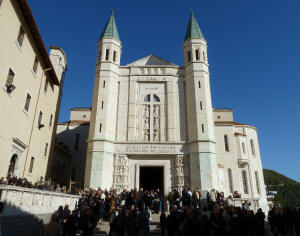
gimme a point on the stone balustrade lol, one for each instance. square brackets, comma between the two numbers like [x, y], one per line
[34, 201]
[254, 202]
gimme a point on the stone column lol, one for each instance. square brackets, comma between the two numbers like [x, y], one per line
[121, 170]
[179, 172]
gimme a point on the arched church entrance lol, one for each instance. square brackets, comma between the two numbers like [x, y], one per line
[12, 166]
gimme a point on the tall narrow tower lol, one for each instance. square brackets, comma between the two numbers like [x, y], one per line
[99, 164]
[200, 123]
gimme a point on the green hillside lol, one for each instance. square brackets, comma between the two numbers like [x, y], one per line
[288, 189]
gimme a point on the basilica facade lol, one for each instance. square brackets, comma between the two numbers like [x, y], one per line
[152, 125]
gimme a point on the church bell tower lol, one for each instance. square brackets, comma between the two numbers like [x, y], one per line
[200, 124]
[99, 163]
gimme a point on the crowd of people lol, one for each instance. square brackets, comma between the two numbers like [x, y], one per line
[130, 213]
[53, 187]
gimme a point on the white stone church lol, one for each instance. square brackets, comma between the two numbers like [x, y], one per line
[152, 125]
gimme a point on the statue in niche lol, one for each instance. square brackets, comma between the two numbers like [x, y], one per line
[147, 111]
[146, 135]
[155, 135]
[156, 111]
[179, 161]
[179, 171]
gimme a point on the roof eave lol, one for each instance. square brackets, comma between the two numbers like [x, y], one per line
[29, 19]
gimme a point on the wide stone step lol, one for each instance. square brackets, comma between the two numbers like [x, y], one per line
[16, 225]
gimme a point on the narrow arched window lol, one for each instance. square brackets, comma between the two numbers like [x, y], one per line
[229, 172]
[257, 182]
[107, 54]
[245, 181]
[252, 147]
[243, 147]
[114, 56]
[197, 55]
[226, 144]
[189, 56]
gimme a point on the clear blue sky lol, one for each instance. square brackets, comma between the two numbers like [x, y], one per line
[253, 51]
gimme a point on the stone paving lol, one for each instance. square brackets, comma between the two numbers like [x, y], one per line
[103, 229]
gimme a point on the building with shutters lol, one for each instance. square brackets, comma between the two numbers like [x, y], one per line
[30, 91]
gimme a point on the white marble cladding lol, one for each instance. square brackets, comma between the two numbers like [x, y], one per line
[19, 200]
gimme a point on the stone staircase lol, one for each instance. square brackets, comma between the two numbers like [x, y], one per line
[103, 229]
[31, 225]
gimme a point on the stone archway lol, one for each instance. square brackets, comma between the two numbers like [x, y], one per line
[13, 166]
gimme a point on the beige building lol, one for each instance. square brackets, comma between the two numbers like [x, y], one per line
[68, 160]
[153, 125]
[30, 92]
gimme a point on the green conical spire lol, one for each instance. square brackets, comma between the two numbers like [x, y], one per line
[193, 30]
[110, 30]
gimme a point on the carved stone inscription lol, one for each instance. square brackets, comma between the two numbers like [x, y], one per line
[135, 148]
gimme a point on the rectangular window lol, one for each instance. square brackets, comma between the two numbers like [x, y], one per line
[202, 126]
[252, 147]
[114, 56]
[189, 56]
[199, 84]
[35, 65]
[103, 83]
[10, 78]
[245, 182]
[46, 149]
[51, 118]
[226, 143]
[200, 105]
[27, 102]
[197, 54]
[243, 147]
[107, 55]
[21, 36]
[46, 86]
[40, 119]
[76, 142]
[31, 165]
[102, 104]
[100, 128]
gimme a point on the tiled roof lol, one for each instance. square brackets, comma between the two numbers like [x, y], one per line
[110, 30]
[29, 19]
[193, 30]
